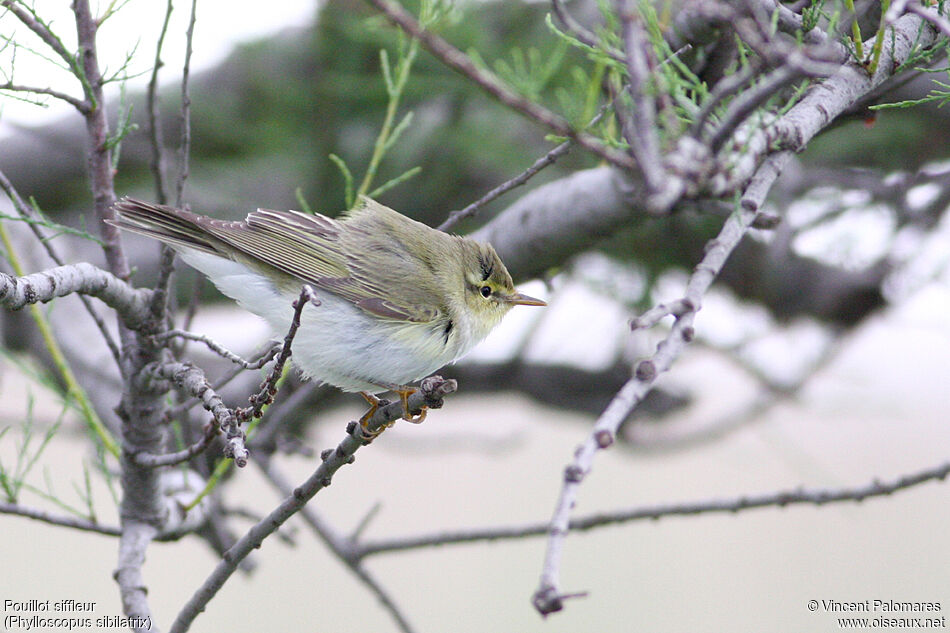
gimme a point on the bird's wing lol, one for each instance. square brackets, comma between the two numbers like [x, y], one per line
[340, 258]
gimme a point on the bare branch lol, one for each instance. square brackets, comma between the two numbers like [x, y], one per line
[75, 523]
[135, 539]
[581, 32]
[562, 218]
[548, 159]
[156, 138]
[340, 545]
[148, 460]
[430, 395]
[823, 102]
[640, 126]
[97, 129]
[185, 149]
[82, 106]
[653, 316]
[548, 598]
[42, 30]
[193, 381]
[157, 164]
[269, 386]
[781, 499]
[25, 212]
[747, 103]
[219, 349]
[83, 278]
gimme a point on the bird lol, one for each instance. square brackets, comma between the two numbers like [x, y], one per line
[394, 299]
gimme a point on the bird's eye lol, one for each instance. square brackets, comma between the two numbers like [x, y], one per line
[486, 291]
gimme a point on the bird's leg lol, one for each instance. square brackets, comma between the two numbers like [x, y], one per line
[364, 421]
[404, 393]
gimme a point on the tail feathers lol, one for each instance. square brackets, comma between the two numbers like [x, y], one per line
[175, 227]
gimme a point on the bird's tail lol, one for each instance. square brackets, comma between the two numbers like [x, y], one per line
[175, 227]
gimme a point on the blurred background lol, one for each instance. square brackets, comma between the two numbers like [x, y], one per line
[820, 358]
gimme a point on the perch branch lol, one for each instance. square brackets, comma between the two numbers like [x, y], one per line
[433, 389]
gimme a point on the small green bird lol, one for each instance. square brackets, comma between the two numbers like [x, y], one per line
[397, 299]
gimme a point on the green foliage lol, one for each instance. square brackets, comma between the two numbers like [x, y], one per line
[938, 96]
[13, 478]
[124, 127]
[812, 14]
[532, 71]
[57, 229]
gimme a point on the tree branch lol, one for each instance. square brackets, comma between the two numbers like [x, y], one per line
[82, 106]
[75, 523]
[343, 547]
[821, 105]
[99, 152]
[433, 389]
[131, 304]
[931, 16]
[548, 598]
[42, 30]
[640, 126]
[559, 219]
[25, 211]
[780, 499]
[548, 159]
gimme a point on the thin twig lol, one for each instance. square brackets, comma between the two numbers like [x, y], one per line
[101, 174]
[82, 106]
[934, 18]
[156, 138]
[548, 159]
[192, 379]
[147, 460]
[42, 30]
[221, 382]
[157, 163]
[269, 387]
[219, 349]
[75, 523]
[727, 87]
[185, 148]
[582, 33]
[654, 315]
[747, 102]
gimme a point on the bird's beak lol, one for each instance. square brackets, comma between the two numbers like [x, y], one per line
[519, 299]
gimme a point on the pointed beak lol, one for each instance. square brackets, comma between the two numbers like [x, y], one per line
[524, 300]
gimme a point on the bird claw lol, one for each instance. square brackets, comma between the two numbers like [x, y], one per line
[406, 414]
[374, 404]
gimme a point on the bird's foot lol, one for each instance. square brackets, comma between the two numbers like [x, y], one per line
[374, 404]
[404, 393]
